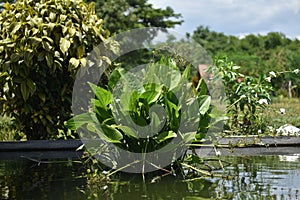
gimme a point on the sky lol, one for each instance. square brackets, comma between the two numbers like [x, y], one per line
[237, 17]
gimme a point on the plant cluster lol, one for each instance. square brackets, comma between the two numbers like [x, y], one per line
[42, 44]
[143, 111]
[245, 95]
[258, 54]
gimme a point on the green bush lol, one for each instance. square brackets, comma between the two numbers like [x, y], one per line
[146, 110]
[245, 95]
[42, 44]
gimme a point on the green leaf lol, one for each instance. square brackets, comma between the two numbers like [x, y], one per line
[79, 120]
[150, 96]
[155, 123]
[49, 59]
[164, 136]
[46, 45]
[114, 78]
[15, 27]
[64, 45]
[128, 131]
[83, 62]
[30, 84]
[104, 96]
[24, 90]
[205, 102]
[42, 96]
[112, 133]
[73, 63]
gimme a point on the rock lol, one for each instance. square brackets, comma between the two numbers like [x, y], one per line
[288, 130]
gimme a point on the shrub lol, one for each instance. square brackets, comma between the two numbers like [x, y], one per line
[144, 111]
[42, 44]
[245, 95]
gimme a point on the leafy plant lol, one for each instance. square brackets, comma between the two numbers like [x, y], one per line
[42, 45]
[144, 110]
[244, 96]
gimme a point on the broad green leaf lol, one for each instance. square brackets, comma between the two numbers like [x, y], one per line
[78, 120]
[128, 131]
[98, 130]
[64, 45]
[24, 90]
[156, 122]
[80, 51]
[150, 96]
[204, 104]
[104, 96]
[112, 133]
[31, 85]
[42, 96]
[114, 78]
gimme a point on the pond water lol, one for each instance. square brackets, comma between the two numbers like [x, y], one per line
[253, 177]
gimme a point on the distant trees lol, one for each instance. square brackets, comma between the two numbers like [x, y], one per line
[258, 53]
[122, 15]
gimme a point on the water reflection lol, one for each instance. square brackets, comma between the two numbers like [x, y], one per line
[23, 179]
[254, 177]
[264, 177]
[289, 158]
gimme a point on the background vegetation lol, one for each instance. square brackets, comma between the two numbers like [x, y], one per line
[39, 106]
[258, 54]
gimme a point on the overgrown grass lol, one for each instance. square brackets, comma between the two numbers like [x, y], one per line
[275, 117]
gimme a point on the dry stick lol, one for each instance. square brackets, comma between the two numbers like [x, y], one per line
[157, 167]
[134, 162]
[198, 170]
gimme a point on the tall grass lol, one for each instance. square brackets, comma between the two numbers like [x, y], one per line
[273, 116]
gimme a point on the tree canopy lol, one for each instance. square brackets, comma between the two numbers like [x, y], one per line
[42, 45]
[122, 15]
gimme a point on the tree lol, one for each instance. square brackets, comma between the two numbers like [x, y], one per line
[122, 15]
[42, 45]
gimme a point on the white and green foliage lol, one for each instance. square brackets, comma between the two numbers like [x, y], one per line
[244, 96]
[42, 45]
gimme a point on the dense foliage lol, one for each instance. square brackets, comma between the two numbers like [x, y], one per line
[259, 54]
[246, 96]
[123, 15]
[146, 114]
[42, 44]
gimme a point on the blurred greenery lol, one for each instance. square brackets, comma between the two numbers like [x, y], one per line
[273, 117]
[258, 54]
